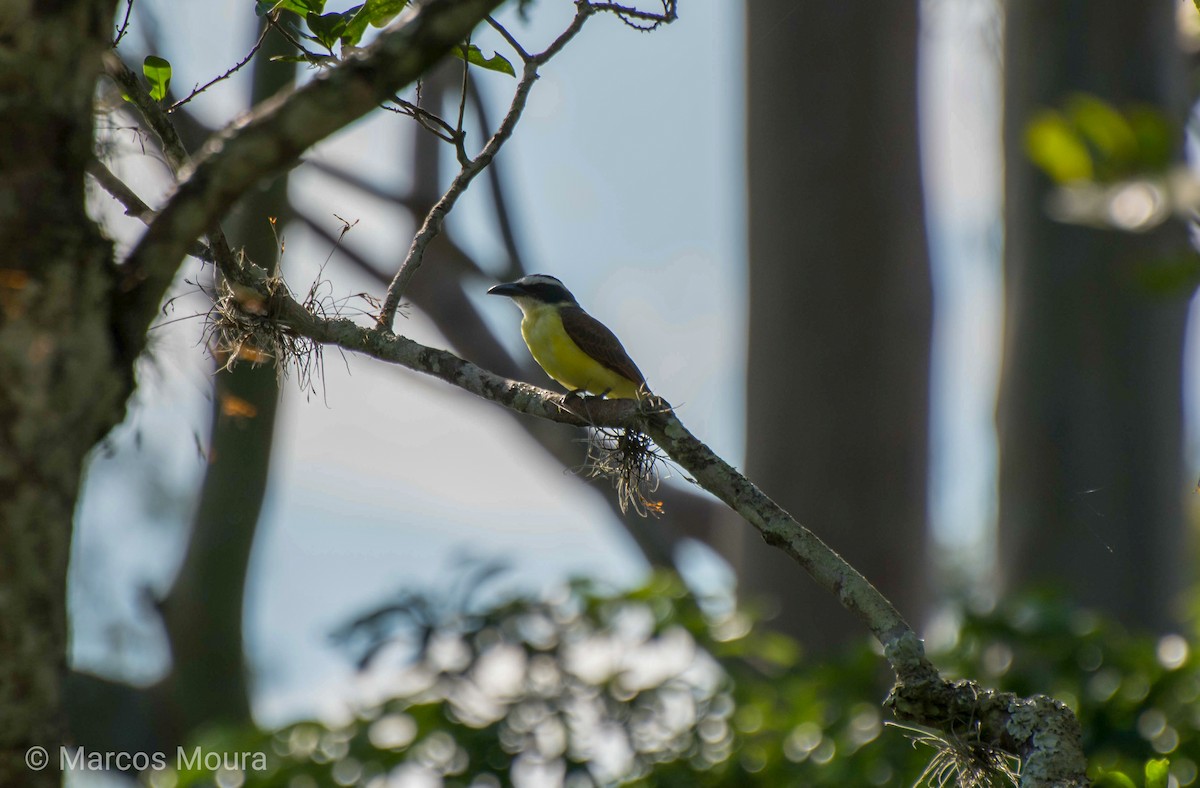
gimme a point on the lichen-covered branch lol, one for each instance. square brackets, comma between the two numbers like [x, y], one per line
[1042, 732]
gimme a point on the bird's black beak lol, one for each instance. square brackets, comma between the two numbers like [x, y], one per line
[511, 290]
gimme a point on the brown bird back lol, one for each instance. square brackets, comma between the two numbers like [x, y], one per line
[594, 338]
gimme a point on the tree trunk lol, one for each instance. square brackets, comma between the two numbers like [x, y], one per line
[62, 386]
[840, 301]
[203, 612]
[1090, 415]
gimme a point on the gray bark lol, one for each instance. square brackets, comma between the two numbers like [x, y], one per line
[1090, 416]
[61, 384]
[840, 301]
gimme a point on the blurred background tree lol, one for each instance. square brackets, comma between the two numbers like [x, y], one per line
[837, 385]
[1091, 396]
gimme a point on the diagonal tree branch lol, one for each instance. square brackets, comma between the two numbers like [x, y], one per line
[274, 135]
[1041, 731]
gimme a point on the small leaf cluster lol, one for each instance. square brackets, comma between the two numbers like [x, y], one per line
[344, 27]
[1089, 139]
[309, 20]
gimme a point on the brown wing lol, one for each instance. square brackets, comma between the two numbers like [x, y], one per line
[598, 342]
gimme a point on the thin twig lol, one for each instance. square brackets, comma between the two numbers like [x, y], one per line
[272, 137]
[437, 215]
[512, 42]
[460, 144]
[583, 10]
[312, 57]
[124, 28]
[430, 122]
[174, 152]
[254, 49]
[135, 207]
[627, 14]
[508, 234]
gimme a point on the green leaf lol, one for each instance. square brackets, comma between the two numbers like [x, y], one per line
[301, 7]
[1090, 139]
[380, 12]
[328, 28]
[374, 12]
[475, 57]
[1113, 780]
[158, 71]
[356, 26]
[1057, 148]
[1157, 772]
[1156, 136]
[1104, 127]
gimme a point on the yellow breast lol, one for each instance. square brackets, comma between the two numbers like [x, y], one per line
[562, 359]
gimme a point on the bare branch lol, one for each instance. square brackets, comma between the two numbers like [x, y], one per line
[512, 42]
[437, 215]
[583, 10]
[135, 207]
[124, 28]
[117, 188]
[249, 55]
[651, 20]
[1041, 731]
[141, 288]
[172, 146]
[429, 121]
[280, 129]
[460, 147]
[508, 234]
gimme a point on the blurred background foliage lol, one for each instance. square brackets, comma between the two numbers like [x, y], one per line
[1090, 139]
[586, 686]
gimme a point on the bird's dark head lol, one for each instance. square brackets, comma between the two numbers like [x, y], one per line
[535, 288]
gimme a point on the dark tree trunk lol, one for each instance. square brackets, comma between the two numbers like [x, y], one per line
[840, 301]
[1090, 415]
[62, 383]
[204, 610]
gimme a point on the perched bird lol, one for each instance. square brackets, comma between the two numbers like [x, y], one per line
[572, 346]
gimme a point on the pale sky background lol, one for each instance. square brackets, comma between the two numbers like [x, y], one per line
[628, 183]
